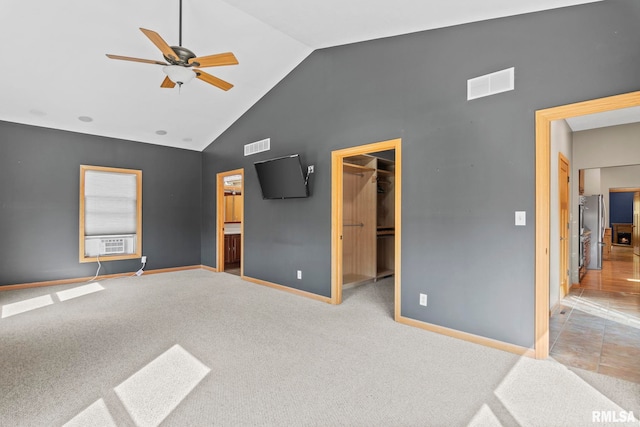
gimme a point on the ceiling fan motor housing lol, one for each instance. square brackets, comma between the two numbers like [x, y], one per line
[184, 55]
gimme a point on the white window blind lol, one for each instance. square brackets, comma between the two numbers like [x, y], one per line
[110, 201]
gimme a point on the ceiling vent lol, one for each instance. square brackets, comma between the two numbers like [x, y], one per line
[257, 147]
[490, 84]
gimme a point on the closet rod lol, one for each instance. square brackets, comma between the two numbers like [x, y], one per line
[354, 173]
[353, 225]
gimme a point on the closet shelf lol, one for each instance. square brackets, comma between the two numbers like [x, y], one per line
[354, 279]
[356, 169]
[385, 231]
[384, 273]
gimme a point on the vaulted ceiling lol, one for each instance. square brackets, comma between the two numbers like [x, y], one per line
[55, 72]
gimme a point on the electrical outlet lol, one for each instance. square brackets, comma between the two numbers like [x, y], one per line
[143, 260]
[299, 274]
[423, 299]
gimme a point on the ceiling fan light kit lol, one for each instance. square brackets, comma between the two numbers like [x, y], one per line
[179, 74]
[181, 62]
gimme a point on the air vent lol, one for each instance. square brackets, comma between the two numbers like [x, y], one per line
[490, 84]
[257, 147]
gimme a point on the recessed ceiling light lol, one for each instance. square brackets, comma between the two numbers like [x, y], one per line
[187, 139]
[161, 132]
[37, 112]
[85, 119]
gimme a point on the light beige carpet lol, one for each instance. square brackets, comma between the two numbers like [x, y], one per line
[198, 348]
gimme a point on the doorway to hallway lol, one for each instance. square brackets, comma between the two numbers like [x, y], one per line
[543, 213]
[230, 223]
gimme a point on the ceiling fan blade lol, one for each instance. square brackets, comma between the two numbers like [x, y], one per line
[213, 80]
[160, 43]
[216, 60]
[128, 58]
[167, 83]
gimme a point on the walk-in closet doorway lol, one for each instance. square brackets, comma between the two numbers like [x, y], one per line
[366, 183]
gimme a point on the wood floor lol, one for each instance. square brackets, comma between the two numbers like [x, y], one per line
[597, 325]
[620, 273]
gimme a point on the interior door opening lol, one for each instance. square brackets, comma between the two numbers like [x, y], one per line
[543, 213]
[366, 187]
[230, 223]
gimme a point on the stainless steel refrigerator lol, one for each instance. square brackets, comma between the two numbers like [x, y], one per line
[594, 221]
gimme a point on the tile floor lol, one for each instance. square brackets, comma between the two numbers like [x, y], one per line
[598, 331]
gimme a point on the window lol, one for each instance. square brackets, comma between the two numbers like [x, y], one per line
[110, 213]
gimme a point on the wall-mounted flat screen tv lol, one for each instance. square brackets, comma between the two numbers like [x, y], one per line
[282, 178]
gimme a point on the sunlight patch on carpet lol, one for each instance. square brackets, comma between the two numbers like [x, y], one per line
[485, 418]
[561, 396]
[153, 392]
[96, 415]
[26, 305]
[79, 291]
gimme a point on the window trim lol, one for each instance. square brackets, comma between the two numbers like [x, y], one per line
[138, 249]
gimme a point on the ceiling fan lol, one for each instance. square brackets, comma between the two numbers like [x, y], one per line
[181, 64]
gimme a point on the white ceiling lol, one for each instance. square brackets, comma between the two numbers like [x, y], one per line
[621, 116]
[54, 68]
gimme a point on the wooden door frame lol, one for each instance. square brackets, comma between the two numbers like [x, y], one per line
[337, 212]
[636, 227]
[220, 219]
[542, 200]
[564, 289]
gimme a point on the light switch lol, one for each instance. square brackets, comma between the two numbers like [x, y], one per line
[521, 218]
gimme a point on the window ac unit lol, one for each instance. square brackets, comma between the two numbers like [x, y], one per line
[110, 245]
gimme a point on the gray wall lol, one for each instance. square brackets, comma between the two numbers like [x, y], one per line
[39, 196]
[467, 166]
